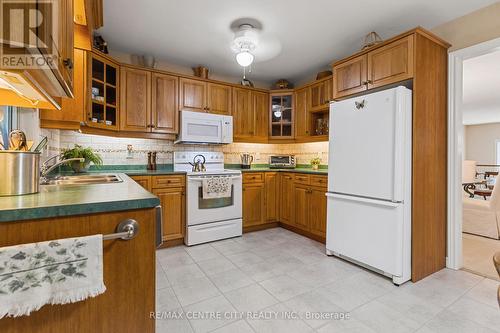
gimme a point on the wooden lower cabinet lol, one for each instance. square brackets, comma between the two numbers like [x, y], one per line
[272, 202]
[317, 211]
[301, 205]
[144, 181]
[129, 275]
[287, 198]
[173, 202]
[170, 189]
[306, 200]
[253, 204]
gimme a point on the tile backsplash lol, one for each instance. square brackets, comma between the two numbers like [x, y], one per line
[114, 150]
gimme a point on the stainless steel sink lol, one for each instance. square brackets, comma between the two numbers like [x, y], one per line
[82, 180]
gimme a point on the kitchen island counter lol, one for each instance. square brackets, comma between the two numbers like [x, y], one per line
[68, 200]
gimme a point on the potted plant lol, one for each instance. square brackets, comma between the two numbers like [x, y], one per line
[315, 162]
[80, 152]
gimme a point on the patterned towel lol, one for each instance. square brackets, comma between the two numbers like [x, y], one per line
[54, 272]
[216, 187]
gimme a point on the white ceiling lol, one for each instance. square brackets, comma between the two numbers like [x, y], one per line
[481, 89]
[299, 37]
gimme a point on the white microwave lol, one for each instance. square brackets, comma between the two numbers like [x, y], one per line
[198, 127]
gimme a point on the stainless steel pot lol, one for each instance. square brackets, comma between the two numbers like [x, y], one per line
[19, 172]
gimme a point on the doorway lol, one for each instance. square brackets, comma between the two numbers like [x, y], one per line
[474, 129]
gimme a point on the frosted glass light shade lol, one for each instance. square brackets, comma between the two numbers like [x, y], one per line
[244, 58]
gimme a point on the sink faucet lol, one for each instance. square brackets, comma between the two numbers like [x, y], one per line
[45, 169]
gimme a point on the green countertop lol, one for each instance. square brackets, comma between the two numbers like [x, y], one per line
[296, 170]
[323, 170]
[67, 200]
[131, 170]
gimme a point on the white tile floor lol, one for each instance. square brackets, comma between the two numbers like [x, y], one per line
[281, 273]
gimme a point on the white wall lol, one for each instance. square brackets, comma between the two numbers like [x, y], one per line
[480, 142]
[473, 28]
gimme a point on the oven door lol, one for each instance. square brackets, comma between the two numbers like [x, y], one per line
[201, 210]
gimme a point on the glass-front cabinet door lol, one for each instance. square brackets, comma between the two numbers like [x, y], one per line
[103, 105]
[282, 115]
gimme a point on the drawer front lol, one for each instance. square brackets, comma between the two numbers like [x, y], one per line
[253, 177]
[168, 181]
[302, 179]
[319, 181]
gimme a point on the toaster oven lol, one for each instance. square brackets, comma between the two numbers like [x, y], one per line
[282, 161]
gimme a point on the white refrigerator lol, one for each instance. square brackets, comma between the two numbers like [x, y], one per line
[369, 182]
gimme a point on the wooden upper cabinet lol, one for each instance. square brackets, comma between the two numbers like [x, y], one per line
[350, 76]
[164, 104]
[72, 111]
[381, 66]
[103, 109]
[219, 98]
[261, 116]
[135, 104]
[301, 112]
[320, 95]
[328, 91]
[243, 115]
[193, 95]
[391, 63]
[66, 44]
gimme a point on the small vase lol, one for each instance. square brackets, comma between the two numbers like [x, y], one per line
[315, 166]
[79, 167]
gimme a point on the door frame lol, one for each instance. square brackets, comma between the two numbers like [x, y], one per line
[456, 145]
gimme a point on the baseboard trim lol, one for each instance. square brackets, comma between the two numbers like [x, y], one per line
[261, 227]
[304, 233]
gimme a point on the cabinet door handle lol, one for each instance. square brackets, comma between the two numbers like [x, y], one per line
[369, 82]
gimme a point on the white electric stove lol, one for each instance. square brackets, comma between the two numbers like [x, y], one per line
[209, 219]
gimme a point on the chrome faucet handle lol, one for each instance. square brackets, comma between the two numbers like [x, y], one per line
[45, 171]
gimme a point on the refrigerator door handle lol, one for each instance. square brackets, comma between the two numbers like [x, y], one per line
[364, 200]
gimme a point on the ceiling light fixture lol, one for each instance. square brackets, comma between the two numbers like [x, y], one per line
[244, 58]
[245, 41]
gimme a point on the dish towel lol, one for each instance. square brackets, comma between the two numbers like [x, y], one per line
[53, 272]
[216, 187]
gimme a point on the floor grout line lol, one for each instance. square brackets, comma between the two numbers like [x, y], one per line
[274, 248]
